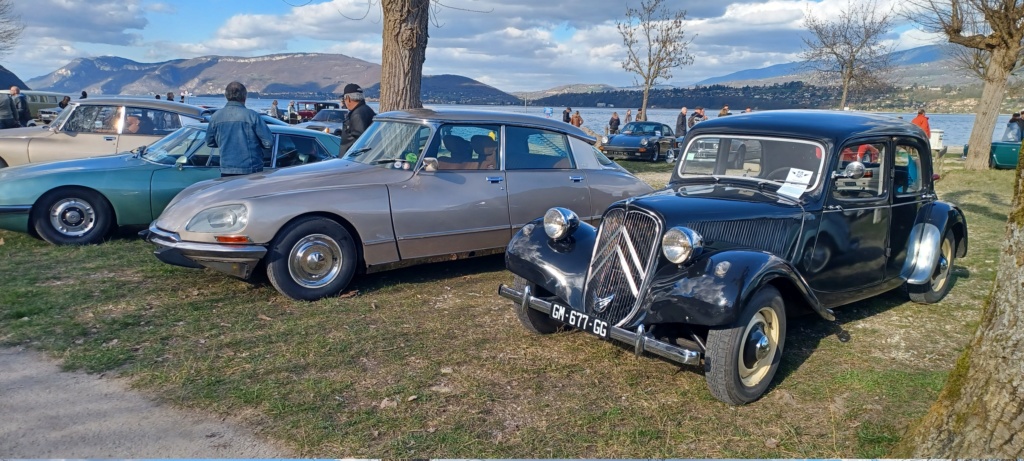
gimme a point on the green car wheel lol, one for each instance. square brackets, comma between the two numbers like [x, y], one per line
[72, 216]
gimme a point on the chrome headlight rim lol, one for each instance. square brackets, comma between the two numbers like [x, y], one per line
[604, 140]
[560, 223]
[221, 219]
[644, 141]
[681, 244]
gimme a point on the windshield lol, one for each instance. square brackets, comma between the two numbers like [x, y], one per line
[794, 164]
[329, 115]
[387, 142]
[182, 142]
[642, 128]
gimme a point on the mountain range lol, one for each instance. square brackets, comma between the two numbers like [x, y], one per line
[325, 75]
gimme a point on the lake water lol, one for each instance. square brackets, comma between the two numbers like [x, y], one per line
[956, 127]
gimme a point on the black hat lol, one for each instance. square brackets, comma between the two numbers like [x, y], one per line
[352, 88]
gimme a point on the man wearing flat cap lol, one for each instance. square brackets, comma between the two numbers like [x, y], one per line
[360, 116]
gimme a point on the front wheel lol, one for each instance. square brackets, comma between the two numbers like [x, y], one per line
[938, 284]
[72, 217]
[311, 258]
[742, 359]
[656, 154]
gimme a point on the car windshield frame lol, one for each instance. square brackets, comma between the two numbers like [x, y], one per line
[380, 144]
[787, 160]
[168, 149]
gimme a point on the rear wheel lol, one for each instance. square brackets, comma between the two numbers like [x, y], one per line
[72, 217]
[670, 156]
[3, 164]
[742, 359]
[311, 258]
[938, 284]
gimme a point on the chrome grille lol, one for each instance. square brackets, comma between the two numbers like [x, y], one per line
[763, 234]
[625, 254]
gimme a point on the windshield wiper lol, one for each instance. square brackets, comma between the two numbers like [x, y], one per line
[358, 151]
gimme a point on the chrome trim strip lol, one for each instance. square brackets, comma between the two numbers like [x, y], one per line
[448, 233]
[641, 341]
[205, 251]
[15, 209]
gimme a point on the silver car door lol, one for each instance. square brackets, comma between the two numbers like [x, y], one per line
[542, 174]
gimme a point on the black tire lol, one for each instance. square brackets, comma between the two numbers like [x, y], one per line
[742, 359]
[938, 283]
[72, 216]
[656, 154]
[670, 156]
[533, 320]
[3, 164]
[311, 258]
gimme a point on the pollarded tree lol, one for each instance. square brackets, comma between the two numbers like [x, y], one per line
[849, 49]
[404, 51]
[995, 27]
[10, 27]
[655, 43]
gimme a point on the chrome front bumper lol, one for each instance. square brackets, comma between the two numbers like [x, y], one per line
[235, 260]
[641, 340]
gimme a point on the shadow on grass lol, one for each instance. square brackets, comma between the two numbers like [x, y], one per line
[960, 198]
[429, 273]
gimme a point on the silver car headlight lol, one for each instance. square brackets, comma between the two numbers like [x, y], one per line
[643, 142]
[219, 220]
[604, 140]
[560, 223]
[680, 244]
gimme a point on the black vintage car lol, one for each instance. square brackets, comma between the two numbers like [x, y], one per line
[835, 208]
[641, 141]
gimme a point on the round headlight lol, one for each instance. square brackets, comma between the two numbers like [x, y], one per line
[680, 244]
[604, 140]
[560, 223]
[643, 142]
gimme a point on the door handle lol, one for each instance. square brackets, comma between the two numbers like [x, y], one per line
[576, 178]
[495, 179]
[109, 138]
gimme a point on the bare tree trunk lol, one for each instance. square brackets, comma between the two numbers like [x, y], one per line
[987, 112]
[643, 106]
[980, 412]
[846, 90]
[405, 50]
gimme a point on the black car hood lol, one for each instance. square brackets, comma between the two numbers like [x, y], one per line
[727, 215]
[630, 140]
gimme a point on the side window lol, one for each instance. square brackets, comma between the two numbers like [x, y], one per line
[154, 121]
[907, 170]
[298, 150]
[93, 119]
[873, 156]
[468, 147]
[666, 131]
[534, 149]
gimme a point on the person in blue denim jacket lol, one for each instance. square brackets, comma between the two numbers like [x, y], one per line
[240, 134]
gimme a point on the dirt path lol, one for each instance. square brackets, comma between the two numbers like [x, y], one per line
[47, 413]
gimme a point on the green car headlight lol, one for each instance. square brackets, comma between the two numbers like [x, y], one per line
[680, 244]
[219, 220]
[560, 223]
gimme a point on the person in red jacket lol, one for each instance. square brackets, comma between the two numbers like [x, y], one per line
[922, 122]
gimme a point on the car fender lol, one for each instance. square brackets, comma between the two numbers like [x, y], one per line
[926, 236]
[14, 150]
[559, 267]
[712, 290]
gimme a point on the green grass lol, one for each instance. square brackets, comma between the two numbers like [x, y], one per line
[429, 362]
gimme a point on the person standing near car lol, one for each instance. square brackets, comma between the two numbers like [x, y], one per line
[613, 123]
[681, 123]
[359, 118]
[567, 115]
[274, 112]
[8, 114]
[21, 112]
[240, 134]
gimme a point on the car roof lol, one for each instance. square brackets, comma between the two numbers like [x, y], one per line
[144, 103]
[829, 125]
[483, 116]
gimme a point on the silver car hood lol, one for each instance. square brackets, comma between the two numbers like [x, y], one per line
[322, 176]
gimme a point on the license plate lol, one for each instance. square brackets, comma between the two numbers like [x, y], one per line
[580, 320]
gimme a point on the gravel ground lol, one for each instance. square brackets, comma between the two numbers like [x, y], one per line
[47, 413]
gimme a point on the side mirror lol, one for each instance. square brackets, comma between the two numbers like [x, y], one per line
[936, 177]
[854, 170]
[180, 162]
[429, 164]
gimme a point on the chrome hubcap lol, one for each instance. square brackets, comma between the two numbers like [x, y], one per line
[315, 261]
[941, 274]
[72, 217]
[760, 341]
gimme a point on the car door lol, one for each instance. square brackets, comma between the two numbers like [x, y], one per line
[90, 130]
[542, 173]
[852, 239]
[462, 206]
[911, 190]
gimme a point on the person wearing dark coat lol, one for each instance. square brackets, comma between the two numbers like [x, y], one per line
[359, 118]
[8, 114]
[613, 123]
[567, 115]
[681, 122]
[21, 111]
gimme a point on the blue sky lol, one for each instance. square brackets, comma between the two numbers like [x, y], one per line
[514, 45]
